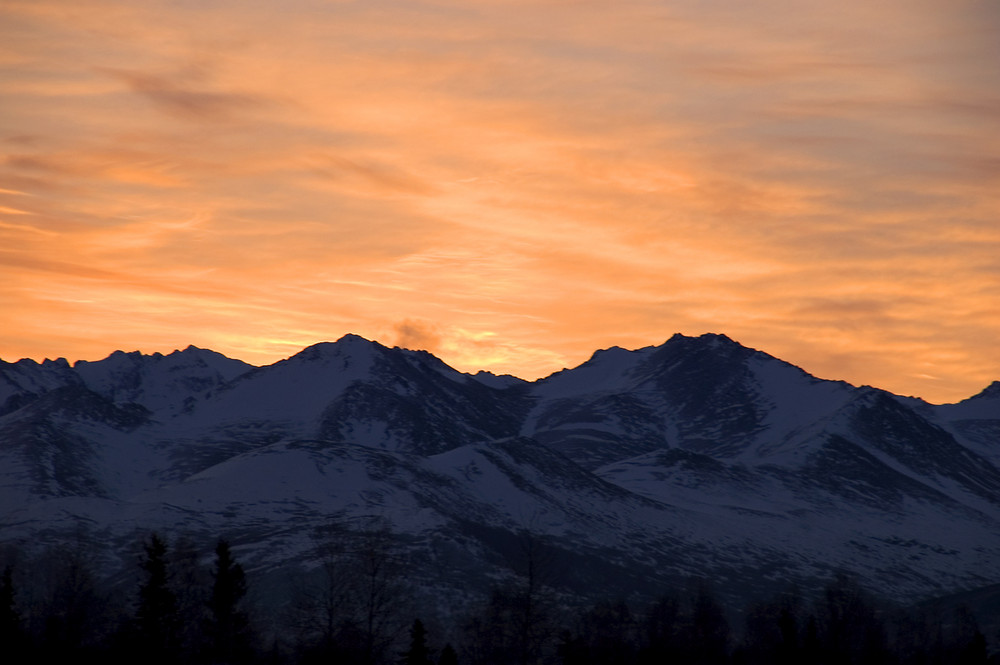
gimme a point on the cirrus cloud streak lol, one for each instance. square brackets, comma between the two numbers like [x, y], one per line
[511, 185]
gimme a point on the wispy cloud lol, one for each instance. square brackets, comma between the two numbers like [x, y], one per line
[180, 95]
[509, 184]
[418, 335]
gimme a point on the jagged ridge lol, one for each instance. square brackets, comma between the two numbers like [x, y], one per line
[698, 456]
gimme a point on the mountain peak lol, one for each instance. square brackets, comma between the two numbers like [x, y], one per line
[58, 363]
[991, 391]
[349, 346]
[706, 345]
[351, 338]
[497, 380]
[610, 354]
[355, 343]
[705, 340]
[718, 339]
[708, 339]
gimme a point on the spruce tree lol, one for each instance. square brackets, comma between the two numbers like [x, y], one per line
[709, 629]
[418, 653]
[156, 615]
[448, 656]
[228, 630]
[10, 620]
[11, 633]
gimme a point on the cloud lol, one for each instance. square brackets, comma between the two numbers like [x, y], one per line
[416, 335]
[517, 187]
[380, 178]
[178, 96]
[90, 163]
[33, 163]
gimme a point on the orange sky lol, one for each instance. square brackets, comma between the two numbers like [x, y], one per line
[508, 184]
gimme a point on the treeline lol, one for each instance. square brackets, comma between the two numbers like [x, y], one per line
[181, 605]
[178, 612]
[844, 626]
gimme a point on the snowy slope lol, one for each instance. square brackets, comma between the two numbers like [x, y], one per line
[164, 384]
[975, 421]
[25, 380]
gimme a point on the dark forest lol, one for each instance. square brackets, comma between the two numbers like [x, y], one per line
[177, 604]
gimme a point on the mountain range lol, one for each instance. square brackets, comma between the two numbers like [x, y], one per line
[637, 470]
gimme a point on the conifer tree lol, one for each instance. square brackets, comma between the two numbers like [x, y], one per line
[448, 656]
[10, 620]
[228, 630]
[156, 616]
[811, 646]
[662, 630]
[709, 629]
[418, 653]
[11, 633]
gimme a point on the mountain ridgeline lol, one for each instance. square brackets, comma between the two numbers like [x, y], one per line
[637, 470]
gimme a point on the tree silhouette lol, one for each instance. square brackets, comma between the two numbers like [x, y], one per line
[11, 631]
[662, 630]
[608, 634]
[191, 583]
[448, 656]
[709, 632]
[228, 629]
[380, 591]
[418, 653]
[321, 613]
[156, 616]
[519, 619]
[74, 615]
[772, 633]
[850, 628]
[969, 642]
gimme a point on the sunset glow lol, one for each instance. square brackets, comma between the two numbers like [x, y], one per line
[509, 185]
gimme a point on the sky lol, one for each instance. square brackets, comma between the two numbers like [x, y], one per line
[510, 185]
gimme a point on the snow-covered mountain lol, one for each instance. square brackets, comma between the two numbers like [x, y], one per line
[637, 469]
